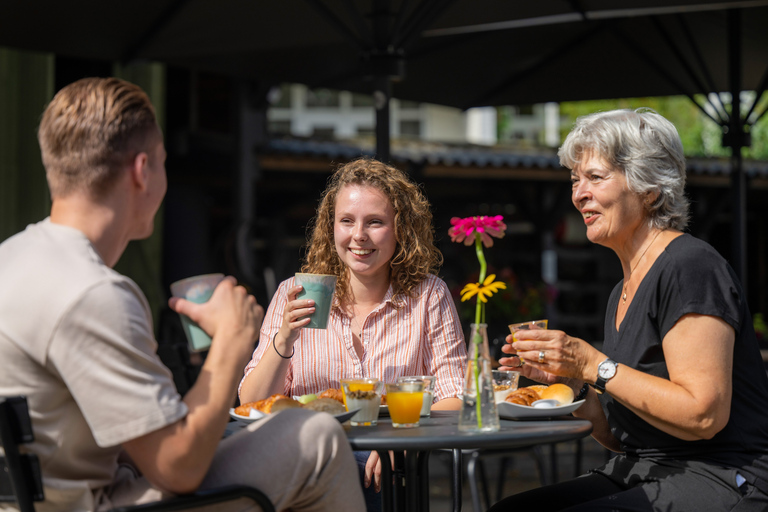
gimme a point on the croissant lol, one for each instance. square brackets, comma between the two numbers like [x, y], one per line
[523, 396]
[335, 394]
[264, 405]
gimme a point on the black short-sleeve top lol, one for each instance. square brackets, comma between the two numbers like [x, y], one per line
[689, 277]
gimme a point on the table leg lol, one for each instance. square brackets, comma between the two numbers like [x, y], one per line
[424, 480]
[413, 482]
[456, 480]
[386, 481]
[400, 491]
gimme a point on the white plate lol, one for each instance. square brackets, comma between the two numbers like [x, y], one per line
[342, 417]
[515, 412]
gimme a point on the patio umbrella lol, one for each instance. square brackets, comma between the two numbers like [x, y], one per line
[461, 53]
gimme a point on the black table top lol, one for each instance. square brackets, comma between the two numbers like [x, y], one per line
[441, 432]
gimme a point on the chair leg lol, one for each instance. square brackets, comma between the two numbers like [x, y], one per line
[538, 457]
[503, 461]
[472, 477]
[553, 465]
[578, 458]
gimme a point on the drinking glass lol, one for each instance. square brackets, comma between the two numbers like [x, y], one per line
[522, 326]
[363, 394]
[504, 382]
[404, 401]
[533, 324]
[429, 391]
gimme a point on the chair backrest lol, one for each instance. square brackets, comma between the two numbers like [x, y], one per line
[21, 481]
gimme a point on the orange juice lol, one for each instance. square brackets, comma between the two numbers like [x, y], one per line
[404, 406]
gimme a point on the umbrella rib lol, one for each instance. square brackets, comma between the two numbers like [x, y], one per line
[421, 18]
[334, 20]
[543, 60]
[652, 63]
[683, 61]
[160, 22]
[363, 29]
[700, 58]
[400, 17]
[760, 91]
[599, 15]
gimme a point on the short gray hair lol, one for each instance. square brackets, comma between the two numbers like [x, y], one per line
[646, 148]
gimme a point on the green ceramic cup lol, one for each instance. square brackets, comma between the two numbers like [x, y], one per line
[320, 288]
[197, 289]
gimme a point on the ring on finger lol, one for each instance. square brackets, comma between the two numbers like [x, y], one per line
[541, 356]
[521, 362]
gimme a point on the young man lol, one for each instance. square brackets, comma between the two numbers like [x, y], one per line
[76, 338]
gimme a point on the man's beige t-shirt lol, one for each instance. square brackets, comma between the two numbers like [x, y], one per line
[76, 339]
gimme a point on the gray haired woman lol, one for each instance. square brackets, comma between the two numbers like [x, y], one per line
[679, 390]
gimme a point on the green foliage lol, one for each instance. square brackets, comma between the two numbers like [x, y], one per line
[701, 136]
[761, 329]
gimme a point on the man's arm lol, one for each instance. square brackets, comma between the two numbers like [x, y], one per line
[176, 458]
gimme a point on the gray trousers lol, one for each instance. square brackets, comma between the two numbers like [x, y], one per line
[299, 458]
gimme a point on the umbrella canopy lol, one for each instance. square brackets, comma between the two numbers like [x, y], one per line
[461, 53]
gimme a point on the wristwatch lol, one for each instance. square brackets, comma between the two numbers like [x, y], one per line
[605, 372]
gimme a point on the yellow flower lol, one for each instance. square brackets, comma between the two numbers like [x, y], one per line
[483, 291]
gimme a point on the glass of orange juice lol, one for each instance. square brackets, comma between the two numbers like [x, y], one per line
[404, 401]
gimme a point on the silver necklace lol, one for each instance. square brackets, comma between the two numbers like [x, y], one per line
[631, 270]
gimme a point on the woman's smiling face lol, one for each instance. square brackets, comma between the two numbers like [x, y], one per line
[611, 211]
[364, 230]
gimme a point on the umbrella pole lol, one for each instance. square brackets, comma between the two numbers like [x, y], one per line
[381, 95]
[736, 141]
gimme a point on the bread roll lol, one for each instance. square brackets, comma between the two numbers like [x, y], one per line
[328, 405]
[284, 403]
[560, 392]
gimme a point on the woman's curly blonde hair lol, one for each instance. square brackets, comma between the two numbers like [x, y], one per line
[415, 253]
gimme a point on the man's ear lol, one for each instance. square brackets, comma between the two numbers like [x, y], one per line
[138, 171]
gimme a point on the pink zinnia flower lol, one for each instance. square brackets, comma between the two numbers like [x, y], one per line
[463, 230]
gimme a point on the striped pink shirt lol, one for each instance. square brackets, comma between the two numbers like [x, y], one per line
[423, 337]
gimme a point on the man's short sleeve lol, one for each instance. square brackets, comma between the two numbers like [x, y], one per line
[105, 352]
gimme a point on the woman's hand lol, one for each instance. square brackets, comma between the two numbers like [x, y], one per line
[564, 358]
[373, 470]
[295, 316]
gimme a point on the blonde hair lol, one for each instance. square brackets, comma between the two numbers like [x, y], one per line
[89, 130]
[415, 255]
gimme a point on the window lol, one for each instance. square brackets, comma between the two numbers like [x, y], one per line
[280, 127]
[410, 129]
[362, 100]
[323, 132]
[319, 98]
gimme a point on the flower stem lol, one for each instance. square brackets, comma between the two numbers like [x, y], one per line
[479, 318]
[483, 268]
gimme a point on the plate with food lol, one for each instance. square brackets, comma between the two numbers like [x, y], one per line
[538, 401]
[254, 411]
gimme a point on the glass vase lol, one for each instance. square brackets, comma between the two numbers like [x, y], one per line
[478, 412]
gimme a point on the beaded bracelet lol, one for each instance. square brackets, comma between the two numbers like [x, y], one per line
[582, 392]
[293, 349]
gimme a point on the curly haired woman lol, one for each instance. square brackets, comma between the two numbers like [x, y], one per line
[391, 315]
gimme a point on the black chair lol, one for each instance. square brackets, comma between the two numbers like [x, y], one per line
[21, 480]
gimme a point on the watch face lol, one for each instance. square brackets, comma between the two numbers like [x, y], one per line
[607, 369]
